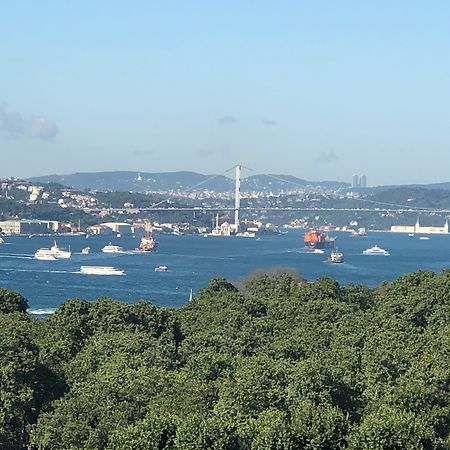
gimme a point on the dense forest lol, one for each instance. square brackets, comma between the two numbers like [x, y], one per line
[278, 364]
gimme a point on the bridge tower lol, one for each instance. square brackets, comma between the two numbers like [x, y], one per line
[237, 197]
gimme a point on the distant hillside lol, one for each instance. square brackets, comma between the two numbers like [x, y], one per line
[129, 181]
[278, 183]
[166, 181]
[415, 196]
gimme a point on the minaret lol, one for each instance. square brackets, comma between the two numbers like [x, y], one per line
[237, 198]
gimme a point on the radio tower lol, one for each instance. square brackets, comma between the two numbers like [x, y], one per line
[237, 198]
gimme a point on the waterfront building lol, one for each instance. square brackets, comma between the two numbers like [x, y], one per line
[418, 229]
[119, 227]
[99, 230]
[22, 226]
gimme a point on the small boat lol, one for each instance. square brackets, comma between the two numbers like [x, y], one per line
[361, 232]
[336, 257]
[410, 234]
[101, 270]
[246, 234]
[318, 250]
[112, 248]
[86, 250]
[191, 297]
[2, 240]
[424, 238]
[375, 250]
[161, 269]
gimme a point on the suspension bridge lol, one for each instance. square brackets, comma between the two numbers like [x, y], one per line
[376, 207]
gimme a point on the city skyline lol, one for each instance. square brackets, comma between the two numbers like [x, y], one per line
[319, 91]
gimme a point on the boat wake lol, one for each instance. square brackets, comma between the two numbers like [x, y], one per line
[15, 256]
[42, 312]
[34, 270]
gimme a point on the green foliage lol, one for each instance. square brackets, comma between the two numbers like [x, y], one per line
[391, 429]
[281, 364]
[11, 302]
[19, 381]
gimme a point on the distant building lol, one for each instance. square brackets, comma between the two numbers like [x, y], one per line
[16, 226]
[221, 230]
[99, 230]
[417, 228]
[363, 181]
[359, 181]
[119, 227]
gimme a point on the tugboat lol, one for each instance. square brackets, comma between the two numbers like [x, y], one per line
[336, 257]
[148, 244]
[317, 240]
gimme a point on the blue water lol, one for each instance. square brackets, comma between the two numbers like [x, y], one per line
[194, 260]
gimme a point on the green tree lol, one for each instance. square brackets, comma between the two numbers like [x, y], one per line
[11, 302]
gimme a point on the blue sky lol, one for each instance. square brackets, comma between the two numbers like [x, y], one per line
[316, 89]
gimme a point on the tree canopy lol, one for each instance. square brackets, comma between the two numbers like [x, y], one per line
[280, 364]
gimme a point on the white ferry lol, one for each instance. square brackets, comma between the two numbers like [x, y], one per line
[52, 253]
[101, 270]
[112, 248]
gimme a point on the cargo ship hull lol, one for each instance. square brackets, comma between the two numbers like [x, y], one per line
[318, 240]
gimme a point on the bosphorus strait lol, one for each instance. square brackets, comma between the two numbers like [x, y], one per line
[193, 260]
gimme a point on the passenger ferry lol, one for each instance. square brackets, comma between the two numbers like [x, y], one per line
[52, 253]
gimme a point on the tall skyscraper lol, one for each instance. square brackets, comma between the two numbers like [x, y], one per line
[355, 181]
[363, 181]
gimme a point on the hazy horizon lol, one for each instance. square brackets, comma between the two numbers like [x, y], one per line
[319, 90]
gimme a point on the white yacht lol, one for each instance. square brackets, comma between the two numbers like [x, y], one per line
[101, 270]
[52, 253]
[112, 248]
[375, 250]
[161, 269]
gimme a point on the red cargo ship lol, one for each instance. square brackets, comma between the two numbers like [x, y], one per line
[316, 239]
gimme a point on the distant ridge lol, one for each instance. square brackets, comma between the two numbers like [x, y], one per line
[170, 181]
